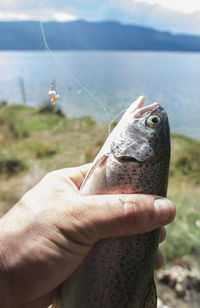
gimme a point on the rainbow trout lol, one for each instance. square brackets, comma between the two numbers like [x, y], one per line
[119, 272]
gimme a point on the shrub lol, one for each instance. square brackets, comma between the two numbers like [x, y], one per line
[51, 109]
[9, 164]
[43, 150]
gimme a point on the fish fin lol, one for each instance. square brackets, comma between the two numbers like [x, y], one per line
[99, 163]
[56, 301]
[151, 298]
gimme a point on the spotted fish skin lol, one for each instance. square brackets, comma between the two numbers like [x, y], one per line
[119, 272]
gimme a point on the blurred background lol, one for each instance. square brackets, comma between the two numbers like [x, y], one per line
[102, 55]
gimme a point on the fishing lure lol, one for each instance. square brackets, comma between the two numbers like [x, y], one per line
[53, 95]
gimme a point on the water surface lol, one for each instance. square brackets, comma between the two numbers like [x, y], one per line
[114, 78]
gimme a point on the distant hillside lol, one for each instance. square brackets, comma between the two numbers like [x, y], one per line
[84, 35]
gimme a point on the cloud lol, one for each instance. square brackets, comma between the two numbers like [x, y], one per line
[48, 15]
[36, 10]
[141, 12]
[159, 17]
[13, 16]
[62, 17]
[183, 6]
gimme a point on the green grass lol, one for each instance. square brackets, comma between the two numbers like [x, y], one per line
[183, 238]
[185, 161]
[36, 141]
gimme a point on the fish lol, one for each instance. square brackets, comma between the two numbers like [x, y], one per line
[119, 272]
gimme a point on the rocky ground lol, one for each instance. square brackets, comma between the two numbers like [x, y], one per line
[178, 286]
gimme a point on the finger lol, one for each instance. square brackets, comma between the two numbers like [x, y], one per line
[159, 262]
[163, 234]
[120, 215]
[43, 301]
[76, 174]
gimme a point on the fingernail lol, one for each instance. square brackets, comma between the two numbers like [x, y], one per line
[163, 209]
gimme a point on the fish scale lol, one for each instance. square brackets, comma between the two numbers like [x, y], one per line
[135, 158]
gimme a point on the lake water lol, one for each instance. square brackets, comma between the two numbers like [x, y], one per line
[114, 78]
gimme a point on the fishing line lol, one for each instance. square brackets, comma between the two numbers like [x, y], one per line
[68, 72]
[115, 117]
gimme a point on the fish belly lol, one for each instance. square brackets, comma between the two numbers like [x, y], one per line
[117, 273]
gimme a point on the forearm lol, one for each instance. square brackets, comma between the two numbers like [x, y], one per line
[32, 251]
[4, 277]
[17, 257]
[18, 263]
[11, 244]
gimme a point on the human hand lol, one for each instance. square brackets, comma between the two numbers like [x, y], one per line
[47, 235]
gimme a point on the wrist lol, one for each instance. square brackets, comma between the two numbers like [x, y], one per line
[4, 279]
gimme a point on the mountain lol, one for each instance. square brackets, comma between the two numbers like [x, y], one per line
[82, 35]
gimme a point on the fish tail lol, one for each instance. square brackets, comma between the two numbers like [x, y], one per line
[56, 301]
[151, 299]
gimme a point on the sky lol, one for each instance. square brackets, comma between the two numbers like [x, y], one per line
[177, 16]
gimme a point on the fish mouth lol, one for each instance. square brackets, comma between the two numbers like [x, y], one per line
[126, 159]
[145, 110]
[138, 106]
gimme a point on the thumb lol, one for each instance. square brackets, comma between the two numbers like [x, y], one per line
[122, 215]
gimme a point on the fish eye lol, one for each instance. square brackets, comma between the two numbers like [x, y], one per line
[154, 120]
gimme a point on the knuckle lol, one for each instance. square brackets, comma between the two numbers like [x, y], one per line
[51, 174]
[137, 214]
[141, 212]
